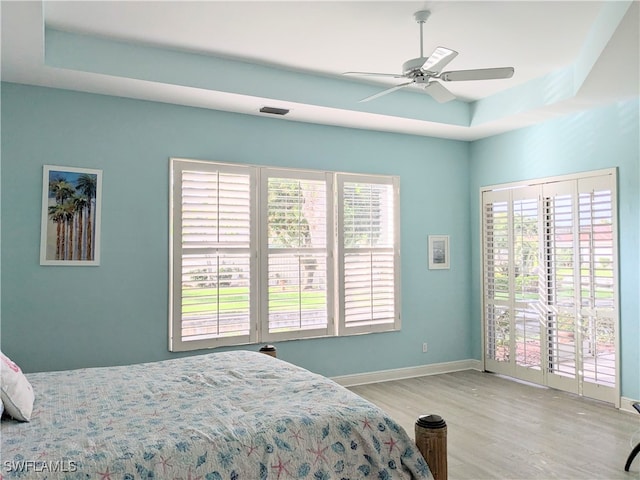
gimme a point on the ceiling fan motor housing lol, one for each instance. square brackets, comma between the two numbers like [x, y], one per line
[413, 66]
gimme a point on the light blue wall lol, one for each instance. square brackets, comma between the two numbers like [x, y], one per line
[67, 317]
[596, 139]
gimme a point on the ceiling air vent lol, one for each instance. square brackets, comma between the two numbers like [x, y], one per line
[274, 110]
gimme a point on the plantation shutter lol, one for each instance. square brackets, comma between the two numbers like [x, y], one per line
[550, 283]
[560, 284]
[297, 270]
[497, 265]
[269, 254]
[583, 305]
[527, 273]
[369, 255]
[599, 302]
[212, 274]
[512, 275]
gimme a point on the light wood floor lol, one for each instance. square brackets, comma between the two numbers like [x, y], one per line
[503, 429]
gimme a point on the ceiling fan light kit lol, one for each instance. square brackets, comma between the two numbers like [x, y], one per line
[426, 70]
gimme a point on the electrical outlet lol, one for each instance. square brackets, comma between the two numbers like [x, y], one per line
[424, 347]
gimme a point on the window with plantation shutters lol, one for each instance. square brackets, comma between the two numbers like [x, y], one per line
[212, 261]
[264, 254]
[368, 254]
[298, 236]
[550, 283]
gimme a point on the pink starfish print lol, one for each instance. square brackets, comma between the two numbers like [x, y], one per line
[392, 443]
[296, 436]
[251, 449]
[366, 424]
[105, 475]
[165, 463]
[319, 453]
[281, 467]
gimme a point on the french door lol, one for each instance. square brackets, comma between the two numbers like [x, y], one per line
[550, 283]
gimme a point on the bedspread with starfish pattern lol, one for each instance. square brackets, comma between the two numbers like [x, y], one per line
[223, 416]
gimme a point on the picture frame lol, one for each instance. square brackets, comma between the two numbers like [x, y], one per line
[438, 252]
[71, 214]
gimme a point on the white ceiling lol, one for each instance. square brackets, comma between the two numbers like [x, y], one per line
[327, 38]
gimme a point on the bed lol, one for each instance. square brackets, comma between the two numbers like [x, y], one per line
[224, 416]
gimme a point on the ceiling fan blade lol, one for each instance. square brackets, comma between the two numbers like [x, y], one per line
[480, 74]
[384, 92]
[439, 93]
[440, 57]
[373, 74]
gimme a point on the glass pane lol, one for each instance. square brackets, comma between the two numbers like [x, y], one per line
[560, 251]
[596, 250]
[297, 292]
[215, 296]
[297, 214]
[496, 251]
[498, 331]
[562, 344]
[368, 215]
[297, 270]
[597, 287]
[598, 350]
[215, 209]
[526, 250]
[528, 338]
[369, 288]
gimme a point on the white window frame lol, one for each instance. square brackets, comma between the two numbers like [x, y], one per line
[327, 177]
[259, 277]
[395, 324]
[176, 343]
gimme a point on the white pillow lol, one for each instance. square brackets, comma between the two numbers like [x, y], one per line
[17, 393]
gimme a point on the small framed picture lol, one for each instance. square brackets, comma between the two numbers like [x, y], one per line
[71, 208]
[438, 252]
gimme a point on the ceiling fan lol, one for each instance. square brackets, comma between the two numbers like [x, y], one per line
[426, 70]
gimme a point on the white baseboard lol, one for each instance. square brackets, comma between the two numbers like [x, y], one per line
[625, 404]
[407, 372]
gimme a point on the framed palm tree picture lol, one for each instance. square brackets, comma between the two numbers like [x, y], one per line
[71, 205]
